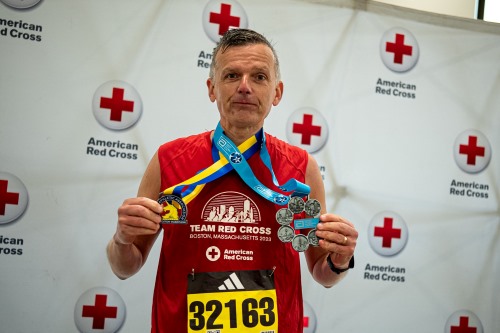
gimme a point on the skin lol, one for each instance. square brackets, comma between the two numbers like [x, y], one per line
[245, 88]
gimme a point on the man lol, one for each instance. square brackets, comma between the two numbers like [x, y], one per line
[202, 256]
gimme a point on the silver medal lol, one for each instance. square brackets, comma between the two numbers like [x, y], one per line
[300, 243]
[284, 216]
[313, 239]
[286, 233]
[312, 207]
[296, 205]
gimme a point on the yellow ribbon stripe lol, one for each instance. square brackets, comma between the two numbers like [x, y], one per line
[222, 162]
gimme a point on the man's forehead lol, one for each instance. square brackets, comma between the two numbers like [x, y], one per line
[260, 54]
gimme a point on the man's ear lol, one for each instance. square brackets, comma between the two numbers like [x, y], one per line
[279, 93]
[211, 92]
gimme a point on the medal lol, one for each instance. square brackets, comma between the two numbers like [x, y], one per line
[312, 207]
[286, 233]
[296, 205]
[284, 216]
[300, 243]
[174, 209]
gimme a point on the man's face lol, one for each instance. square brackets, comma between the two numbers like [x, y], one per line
[245, 86]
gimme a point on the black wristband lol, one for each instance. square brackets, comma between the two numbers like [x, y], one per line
[338, 270]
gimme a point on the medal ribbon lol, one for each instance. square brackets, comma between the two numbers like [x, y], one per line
[238, 161]
[191, 187]
[233, 157]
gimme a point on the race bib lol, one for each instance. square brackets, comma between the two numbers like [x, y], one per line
[232, 302]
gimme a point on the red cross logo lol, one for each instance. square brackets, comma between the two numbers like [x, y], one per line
[224, 19]
[387, 232]
[7, 198]
[399, 48]
[307, 129]
[213, 253]
[117, 104]
[472, 150]
[464, 327]
[99, 312]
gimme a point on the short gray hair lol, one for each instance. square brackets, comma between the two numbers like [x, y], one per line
[242, 37]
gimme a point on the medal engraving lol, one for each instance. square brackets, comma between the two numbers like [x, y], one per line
[300, 243]
[285, 233]
[284, 216]
[312, 207]
[174, 209]
[312, 238]
[296, 205]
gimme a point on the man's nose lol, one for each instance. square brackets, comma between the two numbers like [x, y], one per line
[244, 87]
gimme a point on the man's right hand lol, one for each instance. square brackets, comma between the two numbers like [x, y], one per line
[137, 217]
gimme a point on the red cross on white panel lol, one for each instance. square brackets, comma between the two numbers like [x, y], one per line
[307, 129]
[13, 198]
[99, 310]
[399, 50]
[117, 105]
[472, 151]
[387, 233]
[220, 16]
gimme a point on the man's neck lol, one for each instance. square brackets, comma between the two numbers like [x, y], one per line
[240, 134]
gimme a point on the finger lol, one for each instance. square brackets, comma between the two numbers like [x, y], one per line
[151, 204]
[333, 237]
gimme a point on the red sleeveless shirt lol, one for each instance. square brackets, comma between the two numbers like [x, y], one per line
[231, 218]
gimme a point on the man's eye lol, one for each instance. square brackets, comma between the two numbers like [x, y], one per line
[261, 77]
[231, 76]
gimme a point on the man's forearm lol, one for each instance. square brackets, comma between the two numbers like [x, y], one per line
[125, 259]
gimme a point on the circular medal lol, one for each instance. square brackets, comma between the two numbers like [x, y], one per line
[312, 238]
[296, 205]
[174, 209]
[284, 216]
[300, 243]
[286, 233]
[312, 207]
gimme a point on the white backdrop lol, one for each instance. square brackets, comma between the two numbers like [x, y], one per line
[387, 160]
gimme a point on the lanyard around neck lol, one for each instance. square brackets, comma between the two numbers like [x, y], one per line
[227, 156]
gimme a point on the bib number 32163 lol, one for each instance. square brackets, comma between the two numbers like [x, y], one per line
[237, 302]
